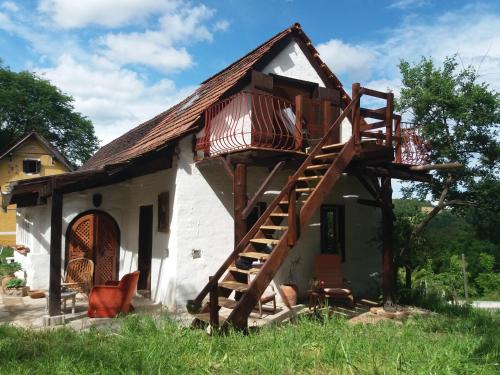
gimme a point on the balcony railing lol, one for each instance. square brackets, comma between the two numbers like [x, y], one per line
[414, 149]
[247, 120]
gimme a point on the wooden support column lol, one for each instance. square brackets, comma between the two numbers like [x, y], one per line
[240, 201]
[356, 117]
[214, 302]
[55, 253]
[388, 281]
[299, 108]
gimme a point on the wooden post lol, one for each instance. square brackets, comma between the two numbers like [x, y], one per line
[292, 216]
[214, 302]
[356, 117]
[466, 289]
[299, 102]
[397, 132]
[387, 226]
[240, 201]
[55, 253]
[388, 119]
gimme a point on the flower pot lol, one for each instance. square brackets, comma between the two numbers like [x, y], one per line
[17, 292]
[5, 281]
[290, 292]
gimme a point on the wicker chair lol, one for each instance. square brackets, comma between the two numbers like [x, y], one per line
[79, 275]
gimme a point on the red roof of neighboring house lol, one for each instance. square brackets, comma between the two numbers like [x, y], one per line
[181, 118]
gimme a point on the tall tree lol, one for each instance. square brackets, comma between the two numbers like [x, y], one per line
[460, 117]
[28, 102]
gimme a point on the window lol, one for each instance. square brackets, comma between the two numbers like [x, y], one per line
[31, 166]
[333, 230]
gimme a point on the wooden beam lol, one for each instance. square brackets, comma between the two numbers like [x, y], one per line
[399, 174]
[55, 253]
[261, 190]
[292, 234]
[240, 201]
[430, 167]
[368, 202]
[388, 276]
[227, 166]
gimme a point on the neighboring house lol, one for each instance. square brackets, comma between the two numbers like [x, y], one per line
[29, 157]
[174, 195]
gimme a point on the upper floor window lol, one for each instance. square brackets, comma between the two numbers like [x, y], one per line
[31, 166]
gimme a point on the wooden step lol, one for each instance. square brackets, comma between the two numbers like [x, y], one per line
[251, 271]
[304, 190]
[334, 146]
[234, 285]
[227, 303]
[317, 167]
[205, 317]
[254, 255]
[332, 155]
[279, 214]
[274, 227]
[310, 178]
[265, 241]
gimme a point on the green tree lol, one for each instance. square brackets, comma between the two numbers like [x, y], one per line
[28, 102]
[460, 117]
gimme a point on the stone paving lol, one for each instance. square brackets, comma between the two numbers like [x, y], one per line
[29, 313]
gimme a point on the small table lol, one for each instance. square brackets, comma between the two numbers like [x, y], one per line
[316, 299]
[65, 296]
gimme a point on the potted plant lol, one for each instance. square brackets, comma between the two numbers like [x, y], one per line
[16, 287]
[290, 289]
[7, 271]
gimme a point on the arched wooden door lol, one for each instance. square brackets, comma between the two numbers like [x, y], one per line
[96, 236]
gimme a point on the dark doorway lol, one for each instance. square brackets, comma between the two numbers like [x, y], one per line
[145, 247]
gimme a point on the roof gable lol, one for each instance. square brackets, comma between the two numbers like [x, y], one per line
[182, 118]
[43, 142]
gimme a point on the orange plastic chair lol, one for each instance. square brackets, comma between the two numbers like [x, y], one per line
[107, 301]
[328, 269]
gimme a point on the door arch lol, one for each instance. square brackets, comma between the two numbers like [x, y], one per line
[95, 235]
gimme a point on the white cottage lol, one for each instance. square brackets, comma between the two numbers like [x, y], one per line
[269, 159]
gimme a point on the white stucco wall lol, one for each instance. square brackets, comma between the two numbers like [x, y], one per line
[292, 62]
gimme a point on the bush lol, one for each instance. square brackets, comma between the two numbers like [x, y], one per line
[16, 283]
[488, 283]
[7, 269]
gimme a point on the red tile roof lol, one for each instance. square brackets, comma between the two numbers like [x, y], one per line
[181, 118]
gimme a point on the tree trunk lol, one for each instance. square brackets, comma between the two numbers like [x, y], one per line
[407, 277]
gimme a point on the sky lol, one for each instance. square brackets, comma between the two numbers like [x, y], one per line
[124, 61]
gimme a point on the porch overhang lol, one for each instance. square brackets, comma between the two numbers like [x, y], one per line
[32, 192]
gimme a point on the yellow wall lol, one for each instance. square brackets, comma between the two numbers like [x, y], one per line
[11, 169]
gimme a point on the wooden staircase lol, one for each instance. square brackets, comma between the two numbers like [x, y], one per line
[279, 227]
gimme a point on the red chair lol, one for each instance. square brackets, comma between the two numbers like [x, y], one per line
[106, 301]
[328, 269]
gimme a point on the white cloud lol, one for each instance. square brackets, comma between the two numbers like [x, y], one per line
[405, 4]
[221, 25]
[147, 48]
[354, 60]
[115, 99]
[156, 48]
[108, 13]
[471, 32]
[9, 6]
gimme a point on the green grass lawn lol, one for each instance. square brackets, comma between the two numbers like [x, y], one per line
[458, 341]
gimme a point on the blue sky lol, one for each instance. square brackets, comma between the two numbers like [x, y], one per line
[126, 60]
